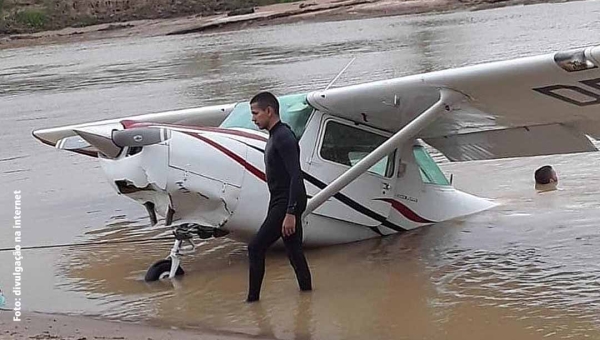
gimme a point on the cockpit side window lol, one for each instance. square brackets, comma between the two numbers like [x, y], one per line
[430, 172]
[293, 110]
[347, 145]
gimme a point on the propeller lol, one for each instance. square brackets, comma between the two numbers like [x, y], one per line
[100, 138]
[110, 142]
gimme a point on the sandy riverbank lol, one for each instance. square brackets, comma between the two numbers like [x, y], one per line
[44, 326]
[309, 10]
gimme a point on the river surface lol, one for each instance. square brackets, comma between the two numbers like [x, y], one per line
[527, 269]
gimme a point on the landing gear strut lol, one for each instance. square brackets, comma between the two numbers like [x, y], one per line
[183, 245]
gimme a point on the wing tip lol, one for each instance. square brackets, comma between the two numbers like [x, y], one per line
[37, 134]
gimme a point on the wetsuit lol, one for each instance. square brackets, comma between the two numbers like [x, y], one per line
[287, 195]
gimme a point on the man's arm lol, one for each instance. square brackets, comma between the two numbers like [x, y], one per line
[289, 152]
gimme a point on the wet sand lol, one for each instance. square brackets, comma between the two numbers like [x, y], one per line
[285, 13]
[44, 326]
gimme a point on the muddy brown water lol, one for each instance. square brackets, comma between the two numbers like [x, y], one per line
[527, 269]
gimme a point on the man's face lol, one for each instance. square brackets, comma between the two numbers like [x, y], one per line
[261, 117]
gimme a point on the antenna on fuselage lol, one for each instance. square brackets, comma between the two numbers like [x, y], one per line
[339, 74]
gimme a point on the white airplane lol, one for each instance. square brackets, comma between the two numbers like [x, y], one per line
[366, 171]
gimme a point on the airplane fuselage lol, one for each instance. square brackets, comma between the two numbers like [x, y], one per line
[215, 177]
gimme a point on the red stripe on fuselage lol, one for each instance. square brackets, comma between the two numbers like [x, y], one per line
[255, 171]
[405, 211]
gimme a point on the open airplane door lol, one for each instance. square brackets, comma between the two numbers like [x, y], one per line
[342, 144]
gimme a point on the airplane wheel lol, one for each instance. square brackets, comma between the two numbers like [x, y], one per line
[160, 270]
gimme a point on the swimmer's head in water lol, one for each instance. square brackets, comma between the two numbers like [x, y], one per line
[545, 175]
[545, 179]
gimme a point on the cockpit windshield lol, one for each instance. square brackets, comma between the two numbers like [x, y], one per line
[293, 110]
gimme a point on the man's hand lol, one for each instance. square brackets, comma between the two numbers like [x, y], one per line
[289, 225]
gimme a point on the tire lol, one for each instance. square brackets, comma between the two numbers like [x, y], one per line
[159, 268]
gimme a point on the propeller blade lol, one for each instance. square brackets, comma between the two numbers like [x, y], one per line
[100, 138]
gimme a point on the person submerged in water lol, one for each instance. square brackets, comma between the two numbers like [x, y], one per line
[545, 179]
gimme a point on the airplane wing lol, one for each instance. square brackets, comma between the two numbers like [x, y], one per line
[70, 137]
[539, 105]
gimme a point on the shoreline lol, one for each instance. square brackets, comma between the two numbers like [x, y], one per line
[277, 14]
[40, 326]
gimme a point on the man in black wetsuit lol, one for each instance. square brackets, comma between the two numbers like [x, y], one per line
[287, 196]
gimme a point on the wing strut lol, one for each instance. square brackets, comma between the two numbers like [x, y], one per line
[444, 104]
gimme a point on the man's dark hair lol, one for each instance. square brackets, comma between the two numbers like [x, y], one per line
[543, 174]
[265, 99]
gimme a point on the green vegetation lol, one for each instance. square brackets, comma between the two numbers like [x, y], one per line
[20, 16]
[32, 18]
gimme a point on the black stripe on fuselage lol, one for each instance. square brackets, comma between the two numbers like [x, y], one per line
[348, 201]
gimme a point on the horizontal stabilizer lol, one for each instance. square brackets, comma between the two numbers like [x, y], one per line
[78, 145]
[72, 143]
[204, 116]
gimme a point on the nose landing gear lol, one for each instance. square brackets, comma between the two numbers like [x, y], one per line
[183, 245]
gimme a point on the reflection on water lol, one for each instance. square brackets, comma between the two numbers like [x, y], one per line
[526, 269]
